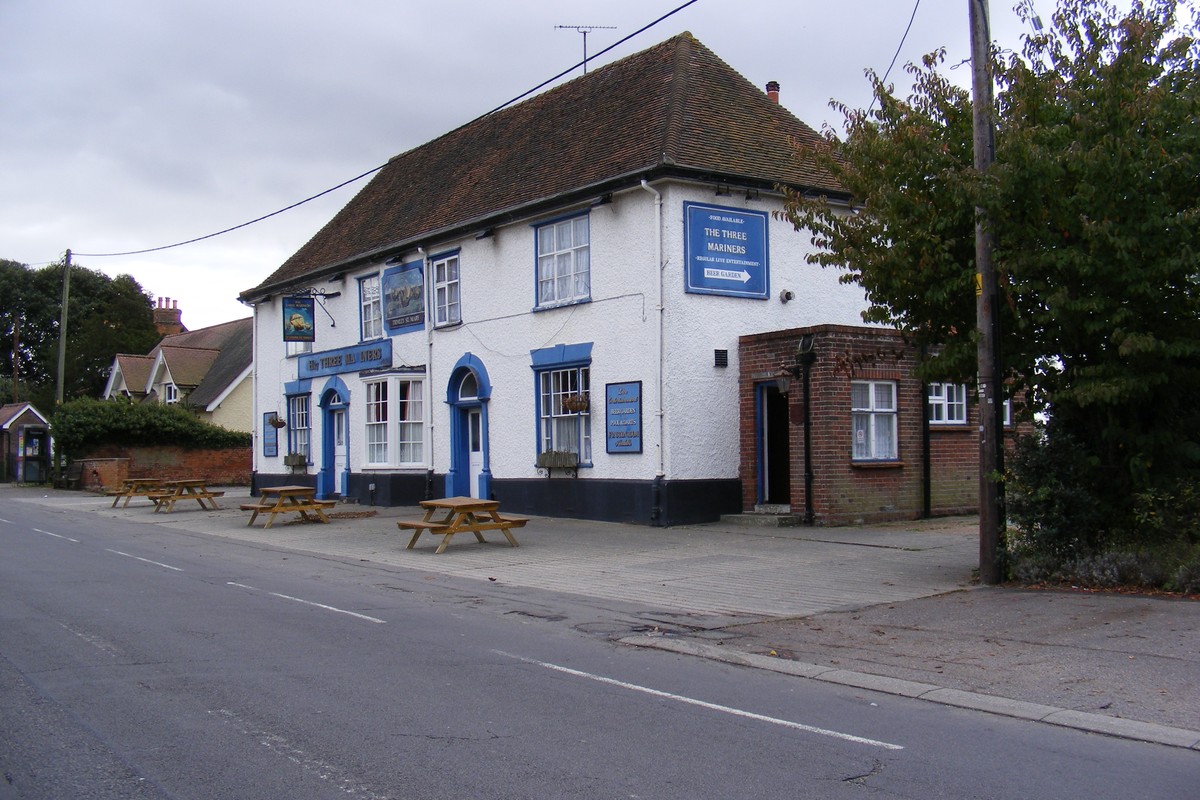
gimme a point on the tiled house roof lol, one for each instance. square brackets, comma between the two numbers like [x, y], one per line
[135, 370]
[205, 362]
[675, 109]
[13, 411]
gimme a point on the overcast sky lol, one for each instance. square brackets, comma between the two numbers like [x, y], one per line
[133, 124]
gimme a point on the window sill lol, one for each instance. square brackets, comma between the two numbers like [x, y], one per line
[445, 326]
[562, 304]
[881, 464]
[949, 426]
[394, 467]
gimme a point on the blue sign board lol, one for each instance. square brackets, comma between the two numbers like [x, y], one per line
[298, 319]
[270, 436]
[369, 355]
[623, 417]
[725, 251]
[404, 297]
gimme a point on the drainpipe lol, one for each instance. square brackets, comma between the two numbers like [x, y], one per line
[656, 511]
[428, 285]
[805, 358]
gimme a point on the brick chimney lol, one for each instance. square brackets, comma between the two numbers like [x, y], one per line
[773, 91]
[167, 317]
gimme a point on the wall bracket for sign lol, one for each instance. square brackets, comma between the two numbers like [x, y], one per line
[320, 295]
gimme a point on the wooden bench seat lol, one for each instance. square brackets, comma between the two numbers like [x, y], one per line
[420, 525]
[476, 525]
[272, 508]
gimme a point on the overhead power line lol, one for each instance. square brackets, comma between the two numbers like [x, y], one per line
[373, 170]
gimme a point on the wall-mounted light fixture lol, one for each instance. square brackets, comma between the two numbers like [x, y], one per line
[786, 296]
[485, 233]
[602, 200]
[752, 194]
[723, 190]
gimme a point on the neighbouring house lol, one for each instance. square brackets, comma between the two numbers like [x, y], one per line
[209, 370]
[24, 444]
[583, 305]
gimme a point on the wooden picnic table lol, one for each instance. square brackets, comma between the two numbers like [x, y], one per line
[136, 487]
[288, 500]
[470, 514]
[171, 492]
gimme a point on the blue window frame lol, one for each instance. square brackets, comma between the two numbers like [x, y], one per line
[564, 272]
[563, 390]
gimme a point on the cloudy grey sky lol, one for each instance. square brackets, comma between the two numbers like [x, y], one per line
[132, 124]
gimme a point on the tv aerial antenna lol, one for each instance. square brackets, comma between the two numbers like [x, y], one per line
[585, 30]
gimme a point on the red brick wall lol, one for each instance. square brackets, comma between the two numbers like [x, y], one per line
[845, 491]
[226, 467]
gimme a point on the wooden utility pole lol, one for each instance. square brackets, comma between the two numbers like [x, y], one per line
[16, 356]
[991, 445]
[62, 352]
[62, 330]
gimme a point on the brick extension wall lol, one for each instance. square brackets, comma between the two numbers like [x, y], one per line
[845, 491]
[224, 467]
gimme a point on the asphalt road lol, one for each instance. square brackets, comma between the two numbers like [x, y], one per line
[148, 662]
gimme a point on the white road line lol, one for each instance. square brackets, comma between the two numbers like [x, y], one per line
[704, 704]
[139, 558]
[309, 603]
[56, 535]
[280, 745]
[95, 641]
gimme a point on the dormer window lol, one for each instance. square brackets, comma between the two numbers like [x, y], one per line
[170, 393]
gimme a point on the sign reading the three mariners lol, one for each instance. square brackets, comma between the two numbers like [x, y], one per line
[725, 250]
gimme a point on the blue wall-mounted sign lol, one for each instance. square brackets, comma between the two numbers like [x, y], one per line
[623, 417]
[404, 298]
[270, 436]
[298, 318]
[725, 251]
[370, 355]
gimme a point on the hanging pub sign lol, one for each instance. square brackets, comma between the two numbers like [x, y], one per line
[725, 251]
[298, 315]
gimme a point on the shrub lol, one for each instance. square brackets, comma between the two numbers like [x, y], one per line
[82, 425]
[1055, 496]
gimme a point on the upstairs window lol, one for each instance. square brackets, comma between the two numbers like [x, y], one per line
[563, 262]
[170, 393]
[446, 291]
[873, 420]
[947, 404]
[371, 302]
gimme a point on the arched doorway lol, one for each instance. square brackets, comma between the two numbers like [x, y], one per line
[467, 393]
[333, 476]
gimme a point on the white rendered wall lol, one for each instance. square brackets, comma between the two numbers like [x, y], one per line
[500, 328]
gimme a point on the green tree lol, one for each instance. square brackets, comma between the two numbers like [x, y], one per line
[106, 316]
[1093, 202]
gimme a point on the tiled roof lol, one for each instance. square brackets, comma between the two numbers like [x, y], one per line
[216, 337]
[188, 365]
[208, 359]
[135, 370]
[675, 109]
[230, 363]
[13, 411]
